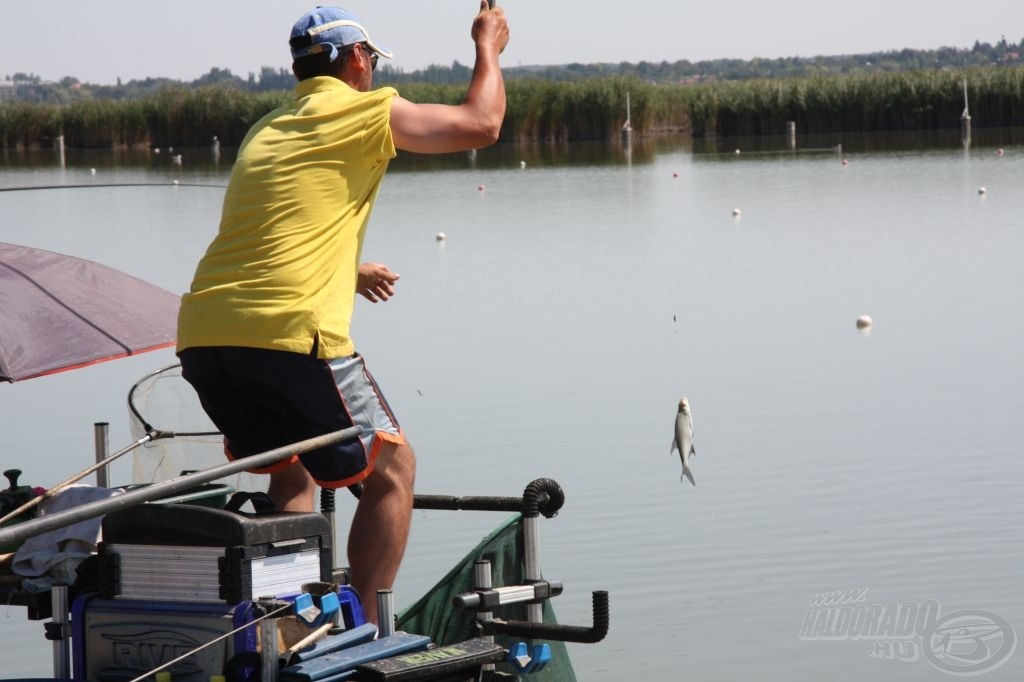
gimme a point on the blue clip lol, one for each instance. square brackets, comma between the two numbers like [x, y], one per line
[541, 657]
[521, 660]
[329, 605]
[518, 656]
[306, 610]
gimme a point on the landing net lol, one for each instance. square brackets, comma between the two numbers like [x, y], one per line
[163, 403]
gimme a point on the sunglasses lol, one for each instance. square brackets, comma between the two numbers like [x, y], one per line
[370, 53]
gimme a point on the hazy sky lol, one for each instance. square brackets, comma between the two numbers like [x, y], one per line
[98, 41]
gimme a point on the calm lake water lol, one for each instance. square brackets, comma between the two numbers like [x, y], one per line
[575, 300]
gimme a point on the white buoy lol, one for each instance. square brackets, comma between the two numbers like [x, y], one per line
[440, 237]
[736, 212]
[92, 171]
[522, 164]
[481, 188]
[737, 151]
[982, 190]
[864, 321]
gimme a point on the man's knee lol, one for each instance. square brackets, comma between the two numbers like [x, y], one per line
[395, 466]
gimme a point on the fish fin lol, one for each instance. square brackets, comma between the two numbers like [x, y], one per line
[693, 451]
[675, 445]
[689, 476]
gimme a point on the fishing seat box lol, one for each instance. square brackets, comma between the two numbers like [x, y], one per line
[116, 640]
[193, 554]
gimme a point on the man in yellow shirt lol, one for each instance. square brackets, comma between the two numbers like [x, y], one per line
[263, 333]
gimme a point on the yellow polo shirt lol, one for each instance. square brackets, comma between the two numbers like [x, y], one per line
[282, 269]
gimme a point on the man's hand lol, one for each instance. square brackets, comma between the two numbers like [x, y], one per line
[375, 282]
[491, 28]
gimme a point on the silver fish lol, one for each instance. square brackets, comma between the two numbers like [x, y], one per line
[683, 440]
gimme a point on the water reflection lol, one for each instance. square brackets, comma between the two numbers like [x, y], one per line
[724, 147]
[218, 158]
[635, 150]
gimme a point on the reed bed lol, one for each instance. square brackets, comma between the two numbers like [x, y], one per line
[920, 100]
[549, 110]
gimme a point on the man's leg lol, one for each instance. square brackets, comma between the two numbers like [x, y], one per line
[380, 526]
[293, 489]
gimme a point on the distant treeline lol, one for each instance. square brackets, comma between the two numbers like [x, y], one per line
[31, 88]
[540, 110]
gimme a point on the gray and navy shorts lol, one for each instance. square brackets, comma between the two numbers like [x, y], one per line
[265, 399]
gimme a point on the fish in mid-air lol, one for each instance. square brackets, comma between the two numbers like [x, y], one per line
[683, 439]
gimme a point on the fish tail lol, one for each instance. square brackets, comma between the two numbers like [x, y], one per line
[689, 476]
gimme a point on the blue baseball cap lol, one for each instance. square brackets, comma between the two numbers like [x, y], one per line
[328, 29]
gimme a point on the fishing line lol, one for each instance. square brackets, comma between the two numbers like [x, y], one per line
[29, 188]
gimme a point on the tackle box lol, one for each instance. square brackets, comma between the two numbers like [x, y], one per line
[188, 553]
[120, 639]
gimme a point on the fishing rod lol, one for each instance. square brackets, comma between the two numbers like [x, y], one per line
[156, 491]
[39, 499]
[29, 188]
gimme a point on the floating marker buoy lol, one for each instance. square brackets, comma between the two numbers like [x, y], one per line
[522, 164]
[736, 212]
[440, 237]
[999, 152]
[176, 182]
[481, 188]
[845, 162]
[982, 190]
[92, 171]
[864, 321]
[737, 151]
[675, 174]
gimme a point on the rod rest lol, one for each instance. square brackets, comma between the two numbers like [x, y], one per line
[490, 599]
[542, 496]
[553, 632]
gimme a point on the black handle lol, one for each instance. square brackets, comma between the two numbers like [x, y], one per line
[12, 476]
[554, 632]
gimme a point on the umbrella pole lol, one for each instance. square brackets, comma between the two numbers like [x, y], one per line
[153, 435]
[101, 436]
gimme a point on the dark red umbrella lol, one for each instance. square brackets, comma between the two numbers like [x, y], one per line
[59, 312]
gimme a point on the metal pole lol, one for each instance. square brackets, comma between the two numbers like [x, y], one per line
[101, 435]
[58, 632]
[268, 650]
[20, 531]
[484, 581]
[531, 563]
[385, 613]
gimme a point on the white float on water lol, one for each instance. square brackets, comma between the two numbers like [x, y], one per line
[440, 237]
[864, 321]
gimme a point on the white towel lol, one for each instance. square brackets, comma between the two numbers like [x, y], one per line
[56, 554]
